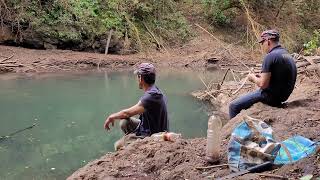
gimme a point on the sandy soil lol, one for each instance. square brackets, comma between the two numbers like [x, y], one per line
[150, 159]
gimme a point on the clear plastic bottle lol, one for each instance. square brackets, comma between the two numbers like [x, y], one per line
[158, 136]
[213, 139]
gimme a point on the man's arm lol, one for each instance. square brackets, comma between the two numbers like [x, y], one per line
[262, 80]
[124, 114]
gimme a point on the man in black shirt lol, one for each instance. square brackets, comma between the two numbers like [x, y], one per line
[276, 80]
[152, 107]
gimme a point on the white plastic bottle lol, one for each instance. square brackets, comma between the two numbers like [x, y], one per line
[158, 136]
[213, 139]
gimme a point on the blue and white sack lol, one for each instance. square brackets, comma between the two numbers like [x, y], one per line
[251, 143]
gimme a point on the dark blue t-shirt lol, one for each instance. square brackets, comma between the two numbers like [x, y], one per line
[283, 74]
[155, 117]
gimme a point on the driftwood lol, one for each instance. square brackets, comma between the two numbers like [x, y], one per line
[310, 63]
[12, 65]
[7, 58]
[8, 62]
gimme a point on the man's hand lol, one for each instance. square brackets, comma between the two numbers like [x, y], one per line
[251, 77]
[262, 80]
[109, 120]
[124, 114]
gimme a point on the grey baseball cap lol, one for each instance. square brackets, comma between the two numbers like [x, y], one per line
[144, 69]
[269, 34]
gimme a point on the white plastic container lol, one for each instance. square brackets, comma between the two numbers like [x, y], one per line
[213, 139]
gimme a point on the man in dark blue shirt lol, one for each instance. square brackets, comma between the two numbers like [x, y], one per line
[276, 80]
[152, 107]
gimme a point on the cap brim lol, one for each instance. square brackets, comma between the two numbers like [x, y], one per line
[260, 40]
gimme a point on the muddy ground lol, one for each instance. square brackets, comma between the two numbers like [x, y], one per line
[150, 159]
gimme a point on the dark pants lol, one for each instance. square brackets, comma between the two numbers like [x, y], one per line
[247, 100]
[129, 125]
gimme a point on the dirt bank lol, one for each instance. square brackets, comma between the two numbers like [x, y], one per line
[149, 159]
[202, 52]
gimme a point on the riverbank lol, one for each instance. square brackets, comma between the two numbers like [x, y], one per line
[201, 53]
[147, 159]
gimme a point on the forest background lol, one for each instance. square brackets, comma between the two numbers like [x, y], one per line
[141, 25]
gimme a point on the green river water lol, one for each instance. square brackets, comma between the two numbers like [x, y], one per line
[70, 110]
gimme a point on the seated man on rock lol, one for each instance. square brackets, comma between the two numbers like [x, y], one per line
[152, 107]
[276, 80]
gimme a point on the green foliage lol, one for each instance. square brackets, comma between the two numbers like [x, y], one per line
[219, 11]
[311, 46]
[77, 21]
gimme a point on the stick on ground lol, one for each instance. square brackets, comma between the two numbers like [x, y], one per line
[214, 166]
[271, 175]
[244, 82]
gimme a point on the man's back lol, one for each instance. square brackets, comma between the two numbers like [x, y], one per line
[155, 117]
[283, 73]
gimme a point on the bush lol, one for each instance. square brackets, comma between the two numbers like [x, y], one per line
[220, 12]
[76, 21]
[311, 46]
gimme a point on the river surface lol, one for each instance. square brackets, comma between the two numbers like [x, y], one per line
[70, 110]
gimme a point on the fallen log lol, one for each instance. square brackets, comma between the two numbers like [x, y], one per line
[7, 58]
[11, 65]
[8, 62]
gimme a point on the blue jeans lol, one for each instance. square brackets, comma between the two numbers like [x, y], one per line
[247, 100]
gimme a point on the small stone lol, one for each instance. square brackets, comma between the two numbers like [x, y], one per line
[52, 169]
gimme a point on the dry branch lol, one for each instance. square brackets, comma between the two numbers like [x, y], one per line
[234, 76]
[8, 62]
[214, 166]
[271, 175]
[11, 65]
[224, 77]
[154, 37]
[204, 83]
[240, 87]
[7, 58]
[220, 43]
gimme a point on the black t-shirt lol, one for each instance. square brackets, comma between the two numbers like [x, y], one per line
[283, 74]
[155, 117]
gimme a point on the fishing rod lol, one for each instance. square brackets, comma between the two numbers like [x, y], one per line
[16, 132]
